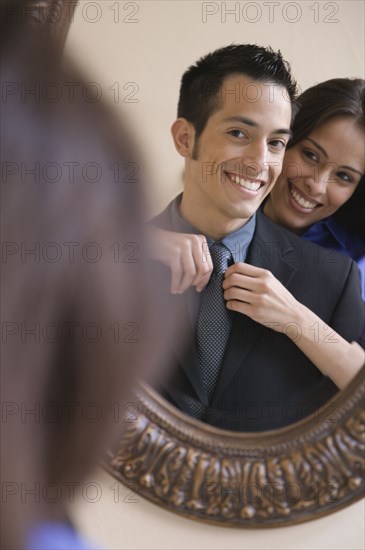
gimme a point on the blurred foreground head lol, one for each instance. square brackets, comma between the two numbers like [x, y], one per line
[76, 293]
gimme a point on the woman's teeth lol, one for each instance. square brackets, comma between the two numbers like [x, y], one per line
[247, 184]
[299, 199]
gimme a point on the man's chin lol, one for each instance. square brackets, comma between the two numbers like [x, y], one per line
[245, 213]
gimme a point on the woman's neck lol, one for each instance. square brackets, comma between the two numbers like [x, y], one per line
[269, 212]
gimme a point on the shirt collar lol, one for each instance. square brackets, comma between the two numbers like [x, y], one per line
[236, 242]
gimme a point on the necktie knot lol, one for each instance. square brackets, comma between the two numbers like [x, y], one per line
[220, 257]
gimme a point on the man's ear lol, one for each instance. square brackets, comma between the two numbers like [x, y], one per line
[183, 134]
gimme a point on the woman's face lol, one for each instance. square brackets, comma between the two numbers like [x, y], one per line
[319, 175]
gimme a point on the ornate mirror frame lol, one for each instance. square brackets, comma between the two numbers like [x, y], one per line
[264, 479]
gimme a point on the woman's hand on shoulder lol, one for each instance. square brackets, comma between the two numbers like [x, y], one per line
[187, 255]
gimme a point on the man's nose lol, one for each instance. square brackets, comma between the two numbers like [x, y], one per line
[254, 157]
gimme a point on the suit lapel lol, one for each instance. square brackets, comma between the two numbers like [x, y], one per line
[184, 350]
[269, 249]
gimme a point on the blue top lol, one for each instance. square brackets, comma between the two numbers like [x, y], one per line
[330, 234]
[51, 535]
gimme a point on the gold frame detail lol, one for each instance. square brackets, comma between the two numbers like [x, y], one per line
[263, 479]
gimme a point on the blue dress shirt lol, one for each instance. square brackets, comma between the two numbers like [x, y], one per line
[237, 243]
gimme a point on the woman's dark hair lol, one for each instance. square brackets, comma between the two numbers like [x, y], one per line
[77, 311]
[338, 97]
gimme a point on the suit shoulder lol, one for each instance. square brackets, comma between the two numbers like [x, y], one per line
[163, 220]
[293, 245]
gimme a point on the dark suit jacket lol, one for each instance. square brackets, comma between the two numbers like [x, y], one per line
[265, 381]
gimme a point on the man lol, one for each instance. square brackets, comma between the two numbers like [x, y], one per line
[233, 125]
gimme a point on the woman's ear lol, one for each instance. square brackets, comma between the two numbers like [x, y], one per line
[183, 134]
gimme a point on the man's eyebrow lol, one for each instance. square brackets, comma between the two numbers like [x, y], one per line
[326, 155]
[250, 122]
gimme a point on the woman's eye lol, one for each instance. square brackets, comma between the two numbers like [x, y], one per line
[344, 176]
[310, 155]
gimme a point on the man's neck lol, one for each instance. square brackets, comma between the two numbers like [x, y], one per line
[214, 227]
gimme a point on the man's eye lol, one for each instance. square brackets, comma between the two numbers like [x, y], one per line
[278, 144]
[237, 133]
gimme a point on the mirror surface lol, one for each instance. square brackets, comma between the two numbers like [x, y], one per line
[135, 50]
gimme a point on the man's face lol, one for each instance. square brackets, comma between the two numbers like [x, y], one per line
[238, 156]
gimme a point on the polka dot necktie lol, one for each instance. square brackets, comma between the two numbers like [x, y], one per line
[214, 321]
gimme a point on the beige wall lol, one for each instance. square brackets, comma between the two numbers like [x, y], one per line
[141, 49]
[167, 36]
[121, 519]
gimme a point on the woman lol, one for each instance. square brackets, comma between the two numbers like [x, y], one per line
[319, 195]
[315, 196]
[71, 303]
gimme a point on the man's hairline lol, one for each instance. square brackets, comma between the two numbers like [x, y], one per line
[220, 104]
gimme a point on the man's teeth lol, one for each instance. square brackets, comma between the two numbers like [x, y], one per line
[299, 199]
[247, 184]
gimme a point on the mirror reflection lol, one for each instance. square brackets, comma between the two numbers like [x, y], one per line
[262, 250]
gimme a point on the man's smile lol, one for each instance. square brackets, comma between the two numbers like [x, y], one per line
[244, 181]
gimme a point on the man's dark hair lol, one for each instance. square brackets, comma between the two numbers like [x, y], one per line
[202, 82]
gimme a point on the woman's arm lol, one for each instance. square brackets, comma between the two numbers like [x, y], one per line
[256, 293]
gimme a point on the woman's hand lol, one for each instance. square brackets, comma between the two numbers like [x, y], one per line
[256, 293]
[187, 255]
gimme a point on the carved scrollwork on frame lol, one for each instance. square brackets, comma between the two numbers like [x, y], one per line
[274, 478]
